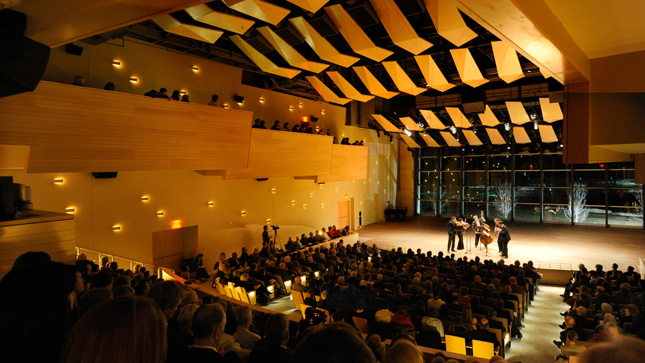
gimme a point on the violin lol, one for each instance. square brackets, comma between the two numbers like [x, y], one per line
[465, 225]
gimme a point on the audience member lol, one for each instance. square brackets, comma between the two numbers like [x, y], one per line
[185, 98]
[207, 327]
[272, 348]
[109, 86]
[335, 342]
[175, 95]
[79, 81]
[213, 101]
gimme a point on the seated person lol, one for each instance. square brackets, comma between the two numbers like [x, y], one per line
[197, 265]
[276, 125]
[483, 334]
[571, 347]
[285, 127]
[296, 128]
[290, 245]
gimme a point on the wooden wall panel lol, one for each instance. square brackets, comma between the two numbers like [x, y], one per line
[78, 129]
[284, 154]
[348, 162]
[405, 197]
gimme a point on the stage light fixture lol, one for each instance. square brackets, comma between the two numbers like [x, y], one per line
[507, 126]
[313, 118]
[453, 129]
[407, 132]
[239, 99]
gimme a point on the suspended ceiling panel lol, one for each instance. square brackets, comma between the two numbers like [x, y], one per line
[261, 61]
[289, 54]
[354, 34]
[172, 25]
[488, 118]
[385, 123]
[507, 62]
[347, 88]
[373, 85]
[398, 27]
[467, 68]
[311, 6]
[547, 134]
[432, 73]
[495, 137]
[203, 13]
[324, 91]
[450, 140]
[258, 9]
[458, 117]
[551, 112]
[472, 138]
[401, 79]
[517, 112]
[429, 140]
[520, 135]
[432, 119]
[410, 124]
[411, 143]
[448, 21]
[320, 45]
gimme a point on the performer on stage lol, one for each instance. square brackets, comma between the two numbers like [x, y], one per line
[481, 217]
[461, 226]
[477, 227]
[503, 237]
[452, 230]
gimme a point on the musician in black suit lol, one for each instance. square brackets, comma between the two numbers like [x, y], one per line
[452, 231]
[503, 238]
[477, 227]
[461, 226]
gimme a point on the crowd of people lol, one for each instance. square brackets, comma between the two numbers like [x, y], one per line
[603, 306]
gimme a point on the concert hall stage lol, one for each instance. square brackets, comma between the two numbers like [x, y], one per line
[549, 246]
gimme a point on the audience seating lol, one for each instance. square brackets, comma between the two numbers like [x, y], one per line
[455, 344]
[483, 349]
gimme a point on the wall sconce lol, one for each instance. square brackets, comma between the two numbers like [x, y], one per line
[195, 69]
[273, 190]
[243, 213]
[320, 185]
[183, 92]
[116, 63]
[384, 191]
[346, 196]
[300, 104]
[304, 206]
[116, 227]
[211, 204]
[268, 220]
[261, 100]
[293, 202]
[134, 79]
[290, 108]
[336, 189]
[59, 180]
[322, 112]
[145, 198]
[322, 205]
[311, 195]
[70, 210]
[225, 106]
[160, 213]
[239, 99]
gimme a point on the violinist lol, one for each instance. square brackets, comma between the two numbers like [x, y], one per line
[452, 231]
[477, 227]
[503, 237]
[463, 225]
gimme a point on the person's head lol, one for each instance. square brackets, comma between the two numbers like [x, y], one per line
[167, 295]
[453, 218]
[572, 337]
[214, 98]
[483, 324]
[276, 329]
[79, 81]
[185, 319]
[619, 349]
[404, 351]
[185, 98]
[31, 259]
[124, 329]
[175, 95]
[109, 86]
[208, 324]
[569, 322]
[347, 344]
[244, 316]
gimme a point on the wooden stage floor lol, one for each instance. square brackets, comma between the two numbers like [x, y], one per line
[548, 246]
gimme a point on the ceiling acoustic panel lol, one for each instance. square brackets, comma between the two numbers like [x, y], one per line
[324, 91]
[450, 140]
[551, 112]
[432, 120]
[410, 124]
[429, 140]
[258, 9]
[320, 45]
[488, 118]
[495, 137]
[354, 34]
[508, 65]
[203, 13]
[458, 117]
[547, 134]
[432, 73]
[289, 54]
[520, 135]
[448, 21]
[347, 88]
[172, 25]
[373, 85]
[261, 61]
[472, 138]
[411, 143]
[517, 112]
[385, 123]
[467, 68]
[401, 79]
[311, 6]
[398, 27]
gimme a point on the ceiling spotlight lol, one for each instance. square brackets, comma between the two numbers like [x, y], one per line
[453, 129]
[507, 126]
[239, 99]
[474, 129]
[407, 132]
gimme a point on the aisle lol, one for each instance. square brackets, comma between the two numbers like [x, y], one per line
[540, 328]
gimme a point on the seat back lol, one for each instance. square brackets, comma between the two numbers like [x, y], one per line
[296, 296]
[483, 349]
[234, 291]
[455, 344]
[303, 307]
[244, 297]
[500, 339]
[361, 324]
[227, 291]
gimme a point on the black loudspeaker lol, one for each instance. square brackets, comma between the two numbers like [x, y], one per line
[474, 107]
[7, 206]
[262, 179]
[73, 49]
[105, 175]
[23, 61]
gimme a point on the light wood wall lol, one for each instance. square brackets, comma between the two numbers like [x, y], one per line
[348, 162]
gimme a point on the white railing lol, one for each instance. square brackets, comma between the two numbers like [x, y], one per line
[554, 266]
[97, 256]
